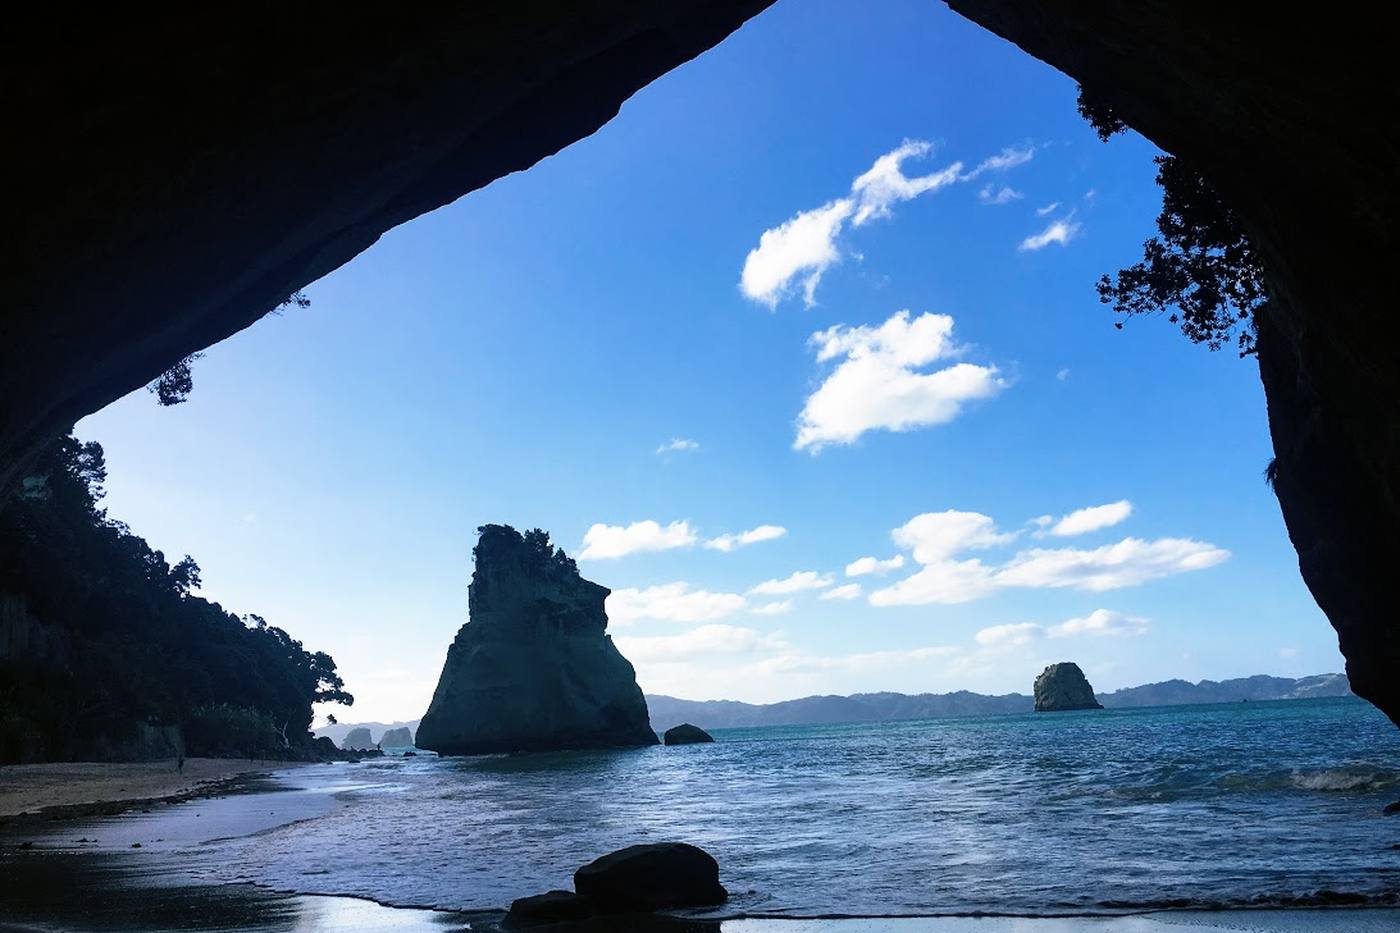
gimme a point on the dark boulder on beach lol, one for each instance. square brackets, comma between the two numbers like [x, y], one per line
[1063, 686]
[652, 877]
[534, 668]
[1392, 809]
[550, 907]
[686, 734]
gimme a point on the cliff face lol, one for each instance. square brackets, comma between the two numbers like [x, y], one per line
[185, 169]
[1289, 116]
[1062, 687]
[533, 669]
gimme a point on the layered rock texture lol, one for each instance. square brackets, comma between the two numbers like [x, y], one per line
[1063, 686]
[1288, 115]
[534, 668]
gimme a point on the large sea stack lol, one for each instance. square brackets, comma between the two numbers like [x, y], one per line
[1063, 686]
[533, 669]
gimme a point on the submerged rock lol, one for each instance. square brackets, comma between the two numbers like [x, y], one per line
[534, 668]
[1063, 686]
[651, 877]
[686, 734]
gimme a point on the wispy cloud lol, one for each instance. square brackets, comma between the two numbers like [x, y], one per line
[863, 566]
[752, 536]
[1047, 209]
[881, 383]
[996, 196]
[1010, 635]
[698, 642]
[793, 256]
[671, 602]
[847, 591]
[1059, 231]
[678, 445]
[1100, 623]
[604, 542]
[796, 583]
[1083, 521]
[773, 609]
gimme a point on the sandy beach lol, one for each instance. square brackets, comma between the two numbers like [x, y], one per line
[77, 786]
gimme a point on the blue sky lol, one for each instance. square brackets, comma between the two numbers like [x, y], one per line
[526, 354]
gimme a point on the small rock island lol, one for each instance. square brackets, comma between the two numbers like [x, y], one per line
[1063, 686]
[533, 669]
[686, 734]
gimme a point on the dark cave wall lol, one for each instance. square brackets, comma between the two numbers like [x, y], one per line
[1289, 111]
[176, 172]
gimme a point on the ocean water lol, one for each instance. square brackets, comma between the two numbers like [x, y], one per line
[1252, 803]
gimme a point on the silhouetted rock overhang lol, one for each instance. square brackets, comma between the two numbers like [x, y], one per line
[1289, 112]
[175, 172]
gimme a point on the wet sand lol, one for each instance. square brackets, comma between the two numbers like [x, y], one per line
[76, 788]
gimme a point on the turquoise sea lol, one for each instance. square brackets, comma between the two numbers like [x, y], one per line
[1229, 805]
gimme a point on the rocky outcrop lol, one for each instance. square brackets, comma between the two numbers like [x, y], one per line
[357, 740]
[397, 738]
[533, 669]
[1287, 115]
[1063, 686]
[652, 877]
[686, 734]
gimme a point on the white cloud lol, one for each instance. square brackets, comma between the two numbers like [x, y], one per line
[773, 609]
[801, 248]
[799, 581]
[752, 536]
[1060, 231]
[868, 565]
[991, 194]
[1083, 521]
[677, 445]
[879, 386]
[885, 184]
[795, 254]
[848, 591]
[1010, 157]
[671, 602]
[1047, 209]
[1128, 563]
[1100, 622]
[1288, 653]
[1008, 636]
[603, 542]
[936, 536]
[939, 539]
[705, 640]
[1063, 374]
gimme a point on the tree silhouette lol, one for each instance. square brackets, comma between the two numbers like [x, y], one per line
[1201, 269]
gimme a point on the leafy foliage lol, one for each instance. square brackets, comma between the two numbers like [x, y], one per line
[1201, 269]
[135, 645]
[175, 384]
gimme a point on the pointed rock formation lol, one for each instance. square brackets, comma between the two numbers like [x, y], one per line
[1063, 686]
[534, 668]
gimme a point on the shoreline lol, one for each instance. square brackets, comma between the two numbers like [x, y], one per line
[81, 790]
[47, 883]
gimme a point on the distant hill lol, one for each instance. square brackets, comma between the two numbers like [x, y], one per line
[878, 707]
